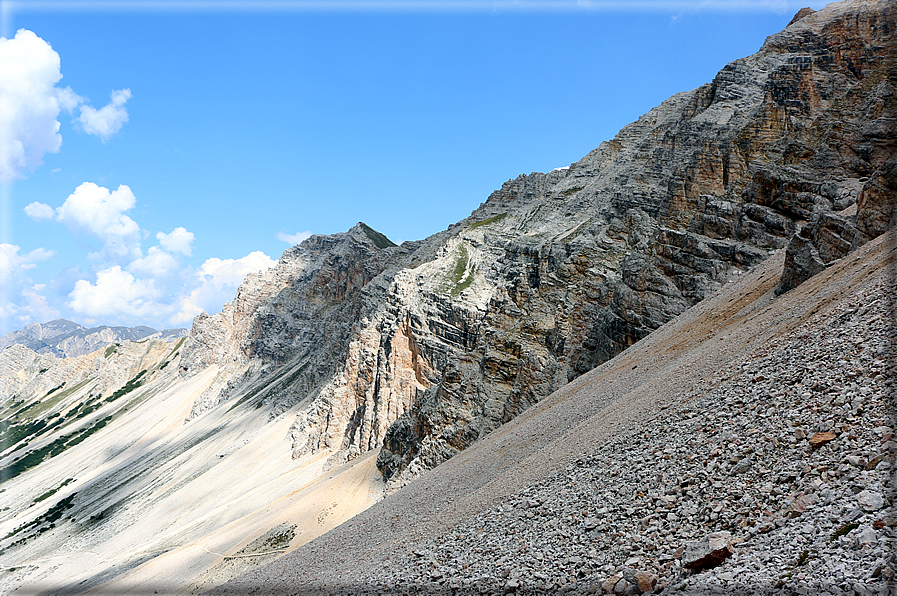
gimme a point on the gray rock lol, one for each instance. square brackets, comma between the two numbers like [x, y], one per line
[870, 500]
[708, 552]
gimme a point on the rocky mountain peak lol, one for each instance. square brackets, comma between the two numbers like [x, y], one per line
[803, 12]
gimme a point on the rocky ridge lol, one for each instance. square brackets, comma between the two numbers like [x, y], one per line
[65, 339]
[428, 347]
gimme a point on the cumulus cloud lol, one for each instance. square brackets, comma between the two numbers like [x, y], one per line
[156, 263]
[117, 295]
[218, 280]
[179, 241]
[94, 210]
[293, 239]
[31, 102]
[12, 263]
[109, 119]
[38, 211]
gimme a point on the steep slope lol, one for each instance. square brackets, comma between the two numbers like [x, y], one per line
[428, 347]
[707, 425]
[105, 486]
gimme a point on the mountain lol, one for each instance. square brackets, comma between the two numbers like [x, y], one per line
[574, 317]
[746, 447]
[64, 339]
[428, 347]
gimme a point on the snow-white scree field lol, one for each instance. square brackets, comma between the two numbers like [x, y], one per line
[736, 458]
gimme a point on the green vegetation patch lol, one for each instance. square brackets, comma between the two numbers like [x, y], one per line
[843, 531]
[53, 491]
[12, 434]
[37, 456]
[57, 388]
[487, 221]
[44, 522]
[379, 240]
[110, 350]
[130, 386]
[275, 539]
[571, 191]
[39, 407]
[172, 353]
[461, 276]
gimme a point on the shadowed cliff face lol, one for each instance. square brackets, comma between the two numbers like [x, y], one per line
[425, 348]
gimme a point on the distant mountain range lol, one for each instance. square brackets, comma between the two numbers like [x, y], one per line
[64, 339]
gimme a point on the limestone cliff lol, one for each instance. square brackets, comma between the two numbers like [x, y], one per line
[426, 347]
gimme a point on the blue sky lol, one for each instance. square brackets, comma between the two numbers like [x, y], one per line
[198, 140]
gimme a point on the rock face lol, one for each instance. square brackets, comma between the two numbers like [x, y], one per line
[65, 339]
[427, 347]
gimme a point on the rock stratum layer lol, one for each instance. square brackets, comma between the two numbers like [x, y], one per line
[426, 347]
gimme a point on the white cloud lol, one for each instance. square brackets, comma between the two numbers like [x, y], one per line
[94, 210]
[30, 103]
[115, 295]
[38, 211]
[293, 239]
[12, 263]
[218, 280]
[109, 119]
[179, 240]
[156, 263]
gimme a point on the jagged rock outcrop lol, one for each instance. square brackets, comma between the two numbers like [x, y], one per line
[287, 336]
[19, 365]
[428, 346]
[830, 236]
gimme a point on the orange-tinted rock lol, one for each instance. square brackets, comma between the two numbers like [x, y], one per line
[820, 439]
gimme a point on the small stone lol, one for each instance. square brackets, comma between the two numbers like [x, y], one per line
[709, 552]
[820, 439]
[856, 461]
[620, 587]
[742, 466]
[870, 500]
[607, 586]
[875, 461]
[511, 585]
[646, 581]
[866, 536]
